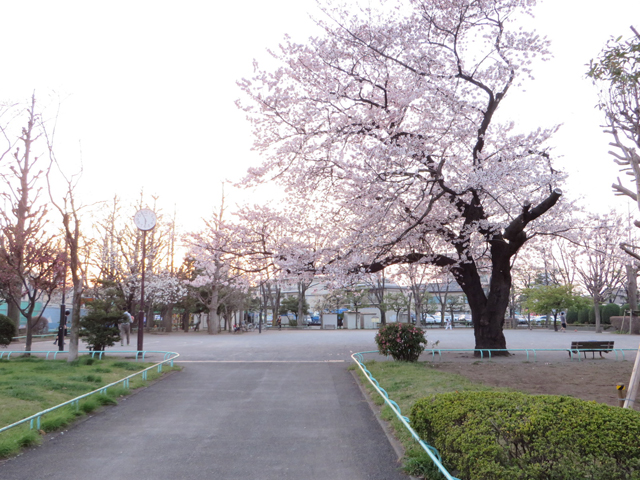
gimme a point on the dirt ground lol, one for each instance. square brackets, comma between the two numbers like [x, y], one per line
[590, 379]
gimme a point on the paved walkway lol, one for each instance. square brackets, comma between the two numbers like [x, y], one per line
[280, 405]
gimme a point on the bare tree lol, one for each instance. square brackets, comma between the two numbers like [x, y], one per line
[600, 268]
[377, 286]
[31, 265]
[418, 276]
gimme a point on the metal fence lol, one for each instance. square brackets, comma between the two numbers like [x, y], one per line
[431, 451]
[169, 357]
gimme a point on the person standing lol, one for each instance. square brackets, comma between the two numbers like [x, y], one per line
[563, 322]
[448, 325]
[125, 327]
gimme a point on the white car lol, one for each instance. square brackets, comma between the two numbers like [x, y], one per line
[431, 319]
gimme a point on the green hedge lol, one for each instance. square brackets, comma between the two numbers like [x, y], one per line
[572, 315]
[499, 435]
[583, 315]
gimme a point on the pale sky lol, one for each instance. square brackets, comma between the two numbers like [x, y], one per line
[147, 89]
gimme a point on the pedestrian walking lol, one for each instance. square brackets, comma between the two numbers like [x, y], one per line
[125, 327]
[563, 322]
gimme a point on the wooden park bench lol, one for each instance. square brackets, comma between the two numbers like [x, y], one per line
[593, 346]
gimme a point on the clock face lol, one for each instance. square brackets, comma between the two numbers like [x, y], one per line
[145, 219]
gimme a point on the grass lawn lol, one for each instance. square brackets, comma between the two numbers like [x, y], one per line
[29, 385]
[406, 383]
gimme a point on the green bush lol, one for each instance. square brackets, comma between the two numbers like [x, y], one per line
[402, 341]
[7, 330]
[500, 435]
[583, 315]
[608, 311]
[100, 329]
[572, 315]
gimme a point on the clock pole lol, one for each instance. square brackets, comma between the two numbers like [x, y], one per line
[141, 313]
[145, 220]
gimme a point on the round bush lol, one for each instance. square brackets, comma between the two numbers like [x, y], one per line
[511, 435]
[610, 310]
[403, 341]
[7, 330]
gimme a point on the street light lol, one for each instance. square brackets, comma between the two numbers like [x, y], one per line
[145, 220]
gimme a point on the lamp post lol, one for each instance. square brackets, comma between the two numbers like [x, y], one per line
[145, 220]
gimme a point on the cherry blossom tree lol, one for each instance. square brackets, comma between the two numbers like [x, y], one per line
[386, 129]
[163, 291]
[600, 267]
[118, 252]
[217, 270]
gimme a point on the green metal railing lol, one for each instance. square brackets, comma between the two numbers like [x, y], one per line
[169, 357]
[431, 451]
[487, 352]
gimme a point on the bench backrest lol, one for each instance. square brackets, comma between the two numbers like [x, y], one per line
[592, 344]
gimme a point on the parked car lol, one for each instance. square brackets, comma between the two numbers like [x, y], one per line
[430, 319]
[312, 320]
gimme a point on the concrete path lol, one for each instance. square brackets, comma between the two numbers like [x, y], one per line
[280, 405]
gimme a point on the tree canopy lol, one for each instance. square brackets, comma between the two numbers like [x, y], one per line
[385, 128]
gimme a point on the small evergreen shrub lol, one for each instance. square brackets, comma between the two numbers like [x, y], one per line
[100, 329]
[7, 330]
[572, 315]
[610, 310]
[509, 435]
[403, 341]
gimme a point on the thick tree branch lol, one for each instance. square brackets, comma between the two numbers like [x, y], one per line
[529, 214]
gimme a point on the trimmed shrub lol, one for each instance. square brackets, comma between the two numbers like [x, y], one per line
[572, 315]
[509, 435]
[583, 316]
[608, 311]
[7, 330]
[403, 341]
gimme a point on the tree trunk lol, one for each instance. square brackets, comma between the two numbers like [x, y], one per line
[185, 320]
[167, 318]
[632, 292]
[13, 312]
[213, 325]
[74, 328]
[487, 311]
[596, 311]
[27, 347]
[302, 291]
